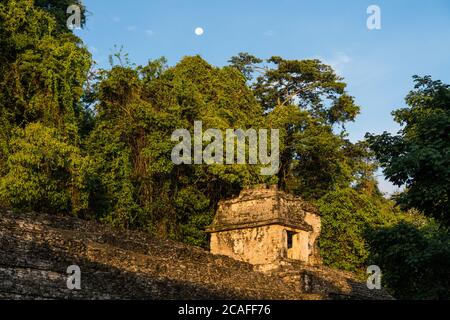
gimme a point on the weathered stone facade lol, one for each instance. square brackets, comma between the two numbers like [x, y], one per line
[36, 249]
[264, 226]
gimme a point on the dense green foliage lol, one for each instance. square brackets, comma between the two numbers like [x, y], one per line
[58, 9]
[137, 185]
[305, 99]
[347, 215]
[41, 80]
[419, 157]
[415, 260]
[98, 144]
[44, 172]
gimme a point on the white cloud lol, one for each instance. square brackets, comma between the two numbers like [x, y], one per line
[338, 61]
[269, 33]
[116, 19]
[149, 32]
[131, 28]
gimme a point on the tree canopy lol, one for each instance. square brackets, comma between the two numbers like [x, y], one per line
[97, 143]
[418, 157]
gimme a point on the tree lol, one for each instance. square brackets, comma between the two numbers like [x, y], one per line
[418, 157]
[414, 259]
[43, 73]
[58, 9]
[347, 215]
[42, 77]
[305, 100]
[307, 84]
[137, 185]
[45, 173]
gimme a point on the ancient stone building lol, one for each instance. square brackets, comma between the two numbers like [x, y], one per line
[36, 249]
[266, 227]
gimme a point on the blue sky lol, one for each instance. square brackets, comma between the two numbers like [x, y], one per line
[377, 65]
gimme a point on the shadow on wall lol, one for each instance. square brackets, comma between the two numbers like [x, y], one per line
[37, 249]
[39, 273]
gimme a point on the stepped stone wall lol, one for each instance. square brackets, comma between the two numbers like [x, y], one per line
[35, 251]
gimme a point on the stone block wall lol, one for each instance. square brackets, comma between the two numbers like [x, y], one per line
[36, 249]
[255, 228]
[260, 245]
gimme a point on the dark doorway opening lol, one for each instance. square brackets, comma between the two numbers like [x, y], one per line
[290, 239]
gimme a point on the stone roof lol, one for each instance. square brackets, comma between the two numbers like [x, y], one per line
[260, 207]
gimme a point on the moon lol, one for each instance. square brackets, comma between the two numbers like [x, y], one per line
[199, 31]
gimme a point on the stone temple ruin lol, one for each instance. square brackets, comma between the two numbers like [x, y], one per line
[273, 231]
[266, 227]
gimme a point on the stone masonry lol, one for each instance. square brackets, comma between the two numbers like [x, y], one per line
[36, 249]
[264, 227]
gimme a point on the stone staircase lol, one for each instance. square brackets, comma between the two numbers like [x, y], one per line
[325, 282]
[35, 251]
